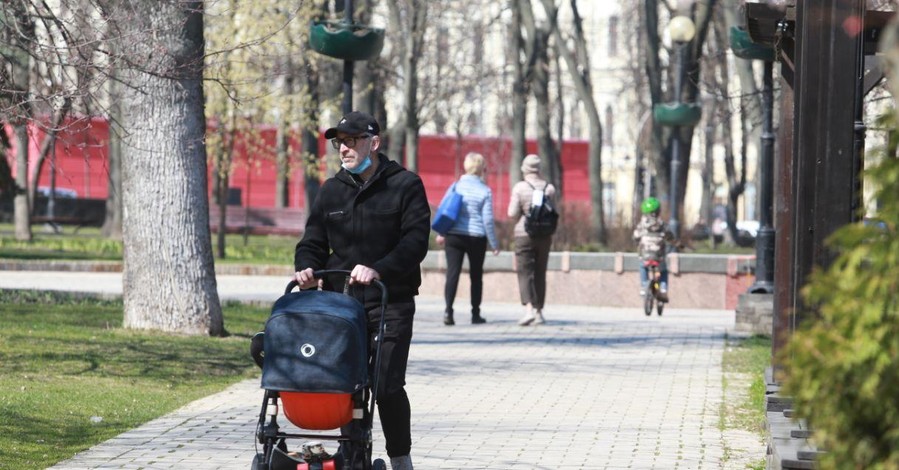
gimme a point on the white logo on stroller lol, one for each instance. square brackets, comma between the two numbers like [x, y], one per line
[307, 350]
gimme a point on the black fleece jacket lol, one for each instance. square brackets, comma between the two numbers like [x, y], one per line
[383, 224]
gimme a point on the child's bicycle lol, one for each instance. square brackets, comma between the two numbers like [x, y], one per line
[654, 293]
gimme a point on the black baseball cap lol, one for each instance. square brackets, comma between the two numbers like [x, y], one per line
[355, 123]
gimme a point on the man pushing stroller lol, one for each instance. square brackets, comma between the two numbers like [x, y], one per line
[373, 219]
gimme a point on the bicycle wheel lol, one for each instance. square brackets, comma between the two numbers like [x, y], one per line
[648, 300]
[659, 307]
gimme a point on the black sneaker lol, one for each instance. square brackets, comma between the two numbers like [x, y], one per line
[477, 320]
[448, 319]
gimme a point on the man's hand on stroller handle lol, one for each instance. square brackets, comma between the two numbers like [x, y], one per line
[359, 275]
[306, 279]
[363, 275]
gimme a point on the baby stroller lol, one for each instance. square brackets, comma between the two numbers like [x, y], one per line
[314, 355]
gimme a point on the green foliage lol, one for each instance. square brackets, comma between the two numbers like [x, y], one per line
[749, 356]
[744, 362]
[260, 249]
[254, 249]
[67, 360]
[60, 247]
[843, 366]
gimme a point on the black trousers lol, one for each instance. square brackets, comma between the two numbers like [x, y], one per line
[532, 256]
[392, 401]
[456, 247]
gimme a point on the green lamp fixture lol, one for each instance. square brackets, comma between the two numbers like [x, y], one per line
[677, 114]
[744, 48]
[347, 41]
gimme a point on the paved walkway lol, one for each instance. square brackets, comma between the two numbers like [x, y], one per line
[594, 388]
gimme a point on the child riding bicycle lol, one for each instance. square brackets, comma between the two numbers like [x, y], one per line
[652, 237]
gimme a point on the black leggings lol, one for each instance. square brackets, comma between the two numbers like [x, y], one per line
[457, 246]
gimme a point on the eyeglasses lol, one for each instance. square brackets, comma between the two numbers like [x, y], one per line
[350, 142]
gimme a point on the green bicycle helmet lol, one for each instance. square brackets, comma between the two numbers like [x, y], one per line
[649, 205]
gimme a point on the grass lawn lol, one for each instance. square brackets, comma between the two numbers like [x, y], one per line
[88, 244]
[71, 377]
[745, 361]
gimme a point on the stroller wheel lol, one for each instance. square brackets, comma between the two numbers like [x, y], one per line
[378, 464]
[258, 462]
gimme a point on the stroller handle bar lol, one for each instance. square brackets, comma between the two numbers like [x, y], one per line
[324, 272]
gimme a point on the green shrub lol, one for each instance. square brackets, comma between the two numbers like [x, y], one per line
[842, 366]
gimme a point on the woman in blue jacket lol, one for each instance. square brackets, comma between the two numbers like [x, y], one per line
[469, 235]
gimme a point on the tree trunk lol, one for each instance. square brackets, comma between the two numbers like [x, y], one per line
[396, 133]
[523, 58]
[410, 93]
[748, 86]
[519, 120]
[282, 162]
[708, 168]
[417, 15]
[169, 279]
[579, 67]
[367, 74]
[750, 119]
[702, 17]
[7, 182]
[222, 178]
[282, 139]
[112, 224]
[653, 69]
[18, 89]
[309, 138]
[47, 146]
[21, 204]
[546, 147]
[750, 110]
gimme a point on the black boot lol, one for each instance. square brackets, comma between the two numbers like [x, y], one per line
[448, 319]
[477, 319]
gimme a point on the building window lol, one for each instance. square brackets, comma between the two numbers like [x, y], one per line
[613, 36]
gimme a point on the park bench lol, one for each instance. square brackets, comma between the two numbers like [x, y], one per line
[259, 220]
[77, 212]
[59, 220]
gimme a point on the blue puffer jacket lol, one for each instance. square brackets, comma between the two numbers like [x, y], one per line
[476, 214]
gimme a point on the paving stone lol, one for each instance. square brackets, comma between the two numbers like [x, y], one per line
[594, 388]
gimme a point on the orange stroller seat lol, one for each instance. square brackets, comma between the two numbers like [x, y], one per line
[317, 411]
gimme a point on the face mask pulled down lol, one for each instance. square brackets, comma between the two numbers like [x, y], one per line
[360, 168]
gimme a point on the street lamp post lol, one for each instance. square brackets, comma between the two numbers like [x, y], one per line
[764, 242]
[681, 30]
[347, 104]
[348, 41]
[744, 48]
